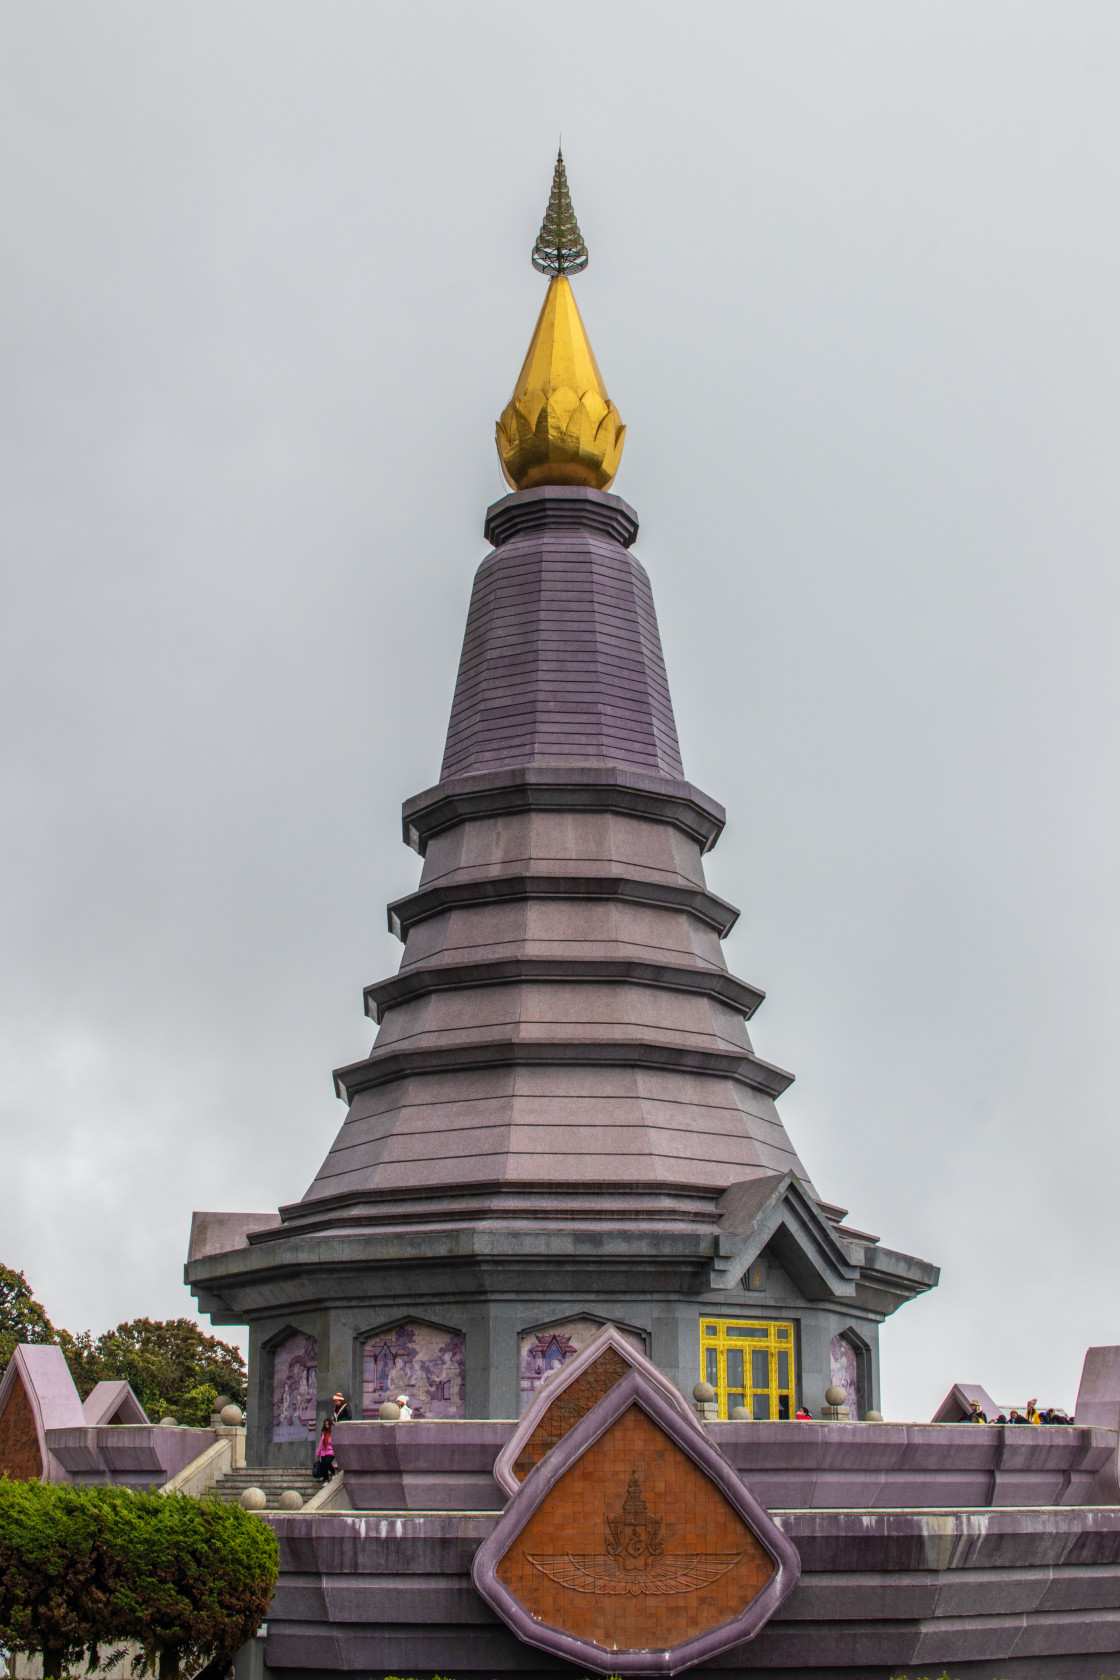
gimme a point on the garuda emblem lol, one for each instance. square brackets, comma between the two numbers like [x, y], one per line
[634, 1560]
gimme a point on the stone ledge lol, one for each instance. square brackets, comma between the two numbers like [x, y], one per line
[405, 913]
[381, 1068]
[561, 787]
[424, 978]
[560, 507]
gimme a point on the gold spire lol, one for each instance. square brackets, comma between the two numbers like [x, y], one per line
[560, 426]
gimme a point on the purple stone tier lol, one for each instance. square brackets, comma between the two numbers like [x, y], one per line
[563, 1042]
[429, 1466]
[561, 659]
[1026, 1594]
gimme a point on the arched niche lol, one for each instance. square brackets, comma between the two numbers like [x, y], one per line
[295, 1385]
[850, 1365]
[544, 1348]
[427, 1362]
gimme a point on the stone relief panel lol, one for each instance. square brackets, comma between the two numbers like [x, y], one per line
[544, 1351]
[427, 1364]
[845, 1371]
[295, 1374]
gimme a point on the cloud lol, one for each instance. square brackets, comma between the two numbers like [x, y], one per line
[853, 293]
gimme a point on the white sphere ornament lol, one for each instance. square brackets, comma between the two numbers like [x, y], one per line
[253, 1499]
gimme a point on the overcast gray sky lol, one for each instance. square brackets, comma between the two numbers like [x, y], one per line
[854, 286]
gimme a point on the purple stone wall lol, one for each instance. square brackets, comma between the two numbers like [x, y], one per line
[130, 1455]
[434, 1466]
[1019, 1594]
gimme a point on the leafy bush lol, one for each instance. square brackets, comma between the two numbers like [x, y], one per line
[189, 1581]
[198, 1581]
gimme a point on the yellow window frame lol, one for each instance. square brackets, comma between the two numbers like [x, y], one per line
[737, 1379]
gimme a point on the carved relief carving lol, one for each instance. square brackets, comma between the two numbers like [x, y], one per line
[295, 1389]
[635, 1560]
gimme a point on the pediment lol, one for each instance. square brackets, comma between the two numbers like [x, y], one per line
[113, 1402]
[776, 1212]
[37, 1393]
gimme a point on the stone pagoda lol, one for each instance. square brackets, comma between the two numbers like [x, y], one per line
[562, 1121]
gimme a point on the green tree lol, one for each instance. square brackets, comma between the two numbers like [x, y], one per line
[187, 1580]
[172, 1365]
[197, 1407]
[22, 1319]
[168, 1363]
[56, 1577]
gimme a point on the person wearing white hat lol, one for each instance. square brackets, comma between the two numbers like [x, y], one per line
[406, 1409]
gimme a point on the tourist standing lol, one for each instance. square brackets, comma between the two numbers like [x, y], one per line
[324, 1454]
[406, 1409]
[341, 1412]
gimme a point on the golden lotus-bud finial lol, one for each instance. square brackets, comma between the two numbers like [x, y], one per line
[560, 426]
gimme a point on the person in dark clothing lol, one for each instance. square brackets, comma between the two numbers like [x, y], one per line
[976, 1415]
[341, 1412]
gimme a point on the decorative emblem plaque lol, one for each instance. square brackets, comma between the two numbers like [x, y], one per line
[633, 1547]
[569, 1395]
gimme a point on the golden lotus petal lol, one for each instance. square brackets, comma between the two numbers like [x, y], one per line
[559, 426]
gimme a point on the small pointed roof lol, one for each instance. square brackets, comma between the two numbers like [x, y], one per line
[560, 248]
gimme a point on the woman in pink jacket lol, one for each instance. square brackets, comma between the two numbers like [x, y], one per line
[324, 1454]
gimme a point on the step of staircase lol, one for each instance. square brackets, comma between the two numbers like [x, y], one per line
[271, 1482]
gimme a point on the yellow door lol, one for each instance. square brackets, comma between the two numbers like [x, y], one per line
[749, 1362]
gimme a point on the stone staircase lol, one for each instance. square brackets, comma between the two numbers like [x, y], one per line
[272, 1484]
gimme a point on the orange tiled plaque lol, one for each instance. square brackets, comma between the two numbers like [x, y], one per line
[635, 1546]
[19, 1439]
[569, 1406]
